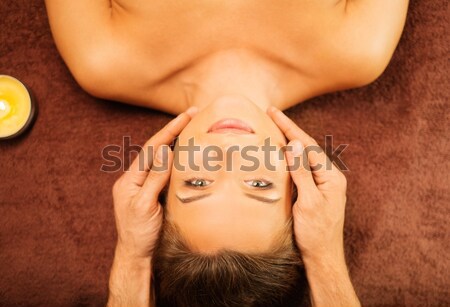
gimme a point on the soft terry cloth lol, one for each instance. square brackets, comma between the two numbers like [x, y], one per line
[57, 231]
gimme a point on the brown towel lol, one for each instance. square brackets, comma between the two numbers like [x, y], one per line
[57, 231]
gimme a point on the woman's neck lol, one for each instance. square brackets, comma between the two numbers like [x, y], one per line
[236, 72]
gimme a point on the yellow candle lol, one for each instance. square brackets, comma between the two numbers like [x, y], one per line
[16, 107]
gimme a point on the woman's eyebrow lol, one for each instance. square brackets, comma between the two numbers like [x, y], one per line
[268, 200]
[186, 200]
[262, 198]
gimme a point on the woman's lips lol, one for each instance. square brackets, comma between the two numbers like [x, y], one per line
[230, 125]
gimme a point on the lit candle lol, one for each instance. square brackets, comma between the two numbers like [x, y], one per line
[17, 108]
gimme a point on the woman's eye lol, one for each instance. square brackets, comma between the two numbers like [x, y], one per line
[198, 183]
[259, 184]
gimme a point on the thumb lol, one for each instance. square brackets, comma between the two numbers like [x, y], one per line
[156, 180]
[299, 168]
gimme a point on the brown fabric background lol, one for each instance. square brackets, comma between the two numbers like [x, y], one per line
[57, 231]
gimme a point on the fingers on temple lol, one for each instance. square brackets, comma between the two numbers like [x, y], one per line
[318, 160]
[289, 128]
[173, 128]
[143, 162]
[156, 180]
[299, 168]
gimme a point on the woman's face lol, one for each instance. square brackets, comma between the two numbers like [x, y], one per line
[229, 187]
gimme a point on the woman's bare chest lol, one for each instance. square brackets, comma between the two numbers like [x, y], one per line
[169, 45]
[184, 31]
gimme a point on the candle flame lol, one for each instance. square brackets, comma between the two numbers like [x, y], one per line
[4, 108]
[3, 105]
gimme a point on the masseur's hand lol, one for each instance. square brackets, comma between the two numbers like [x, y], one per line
[318, 216]
[319, 210]
[137, 211]
[139, 218]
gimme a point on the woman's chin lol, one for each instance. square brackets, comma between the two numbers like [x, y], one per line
[230, 107]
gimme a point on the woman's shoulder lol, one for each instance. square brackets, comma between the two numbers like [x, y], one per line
[350, 48]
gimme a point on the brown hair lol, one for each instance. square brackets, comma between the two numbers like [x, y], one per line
[183, 278]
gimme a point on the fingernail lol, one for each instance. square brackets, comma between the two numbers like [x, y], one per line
[159, 155]
[271, 109]
[297, 148]
[191, 111]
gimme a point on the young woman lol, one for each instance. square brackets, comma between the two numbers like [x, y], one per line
[236, 63]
